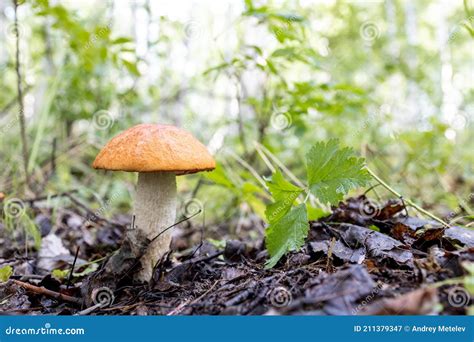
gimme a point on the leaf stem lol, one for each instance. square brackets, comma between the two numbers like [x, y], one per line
[407, 201]
[249, 168]
[280, 165]
[264, 158]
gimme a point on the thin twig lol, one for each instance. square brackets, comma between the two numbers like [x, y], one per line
[281, 165]
[371, 188]
[156, 237]
[264, 158]
[53, 157]
[175, 224]
[201, 231]
[12, 102]
[21, 113]
[49, 293]
[205, 293]
[249, 168]
[89, 309]
[190, 302]
[72, 268]
[179, 308]
[330, 251]
[409, 202]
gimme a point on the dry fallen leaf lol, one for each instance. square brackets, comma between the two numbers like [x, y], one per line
[419, 302]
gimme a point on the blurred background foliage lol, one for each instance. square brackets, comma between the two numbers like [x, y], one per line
[257, 81]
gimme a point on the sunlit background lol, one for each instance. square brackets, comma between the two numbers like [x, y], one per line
[392, 79]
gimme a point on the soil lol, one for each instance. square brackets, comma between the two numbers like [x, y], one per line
[354, 262]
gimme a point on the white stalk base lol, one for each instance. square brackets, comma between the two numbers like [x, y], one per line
[155, 210]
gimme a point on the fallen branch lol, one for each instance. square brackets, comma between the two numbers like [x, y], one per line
[49, 293]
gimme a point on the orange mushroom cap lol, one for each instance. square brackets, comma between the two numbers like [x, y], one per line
[155, 148]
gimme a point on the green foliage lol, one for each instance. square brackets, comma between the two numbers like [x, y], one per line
[308, 63]
[284, 195]
[315, 213]
[60, 274]
[25, 222]
[287, 234]
[5, 273]
[91, 267]
[87, 53]
[332, 172]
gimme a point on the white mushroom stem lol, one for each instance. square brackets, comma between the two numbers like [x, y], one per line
[155, 210]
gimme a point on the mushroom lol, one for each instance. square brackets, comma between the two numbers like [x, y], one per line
[158, 153]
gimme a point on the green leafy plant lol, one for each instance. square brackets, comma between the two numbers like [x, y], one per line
[331, 173]
[5, 273]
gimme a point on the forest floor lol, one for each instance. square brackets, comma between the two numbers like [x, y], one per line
[383, 262]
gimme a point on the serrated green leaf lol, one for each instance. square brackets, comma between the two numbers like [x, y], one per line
[278, 185]
[5, 273]
[333, 171]
[284, 195]
[287, 234]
